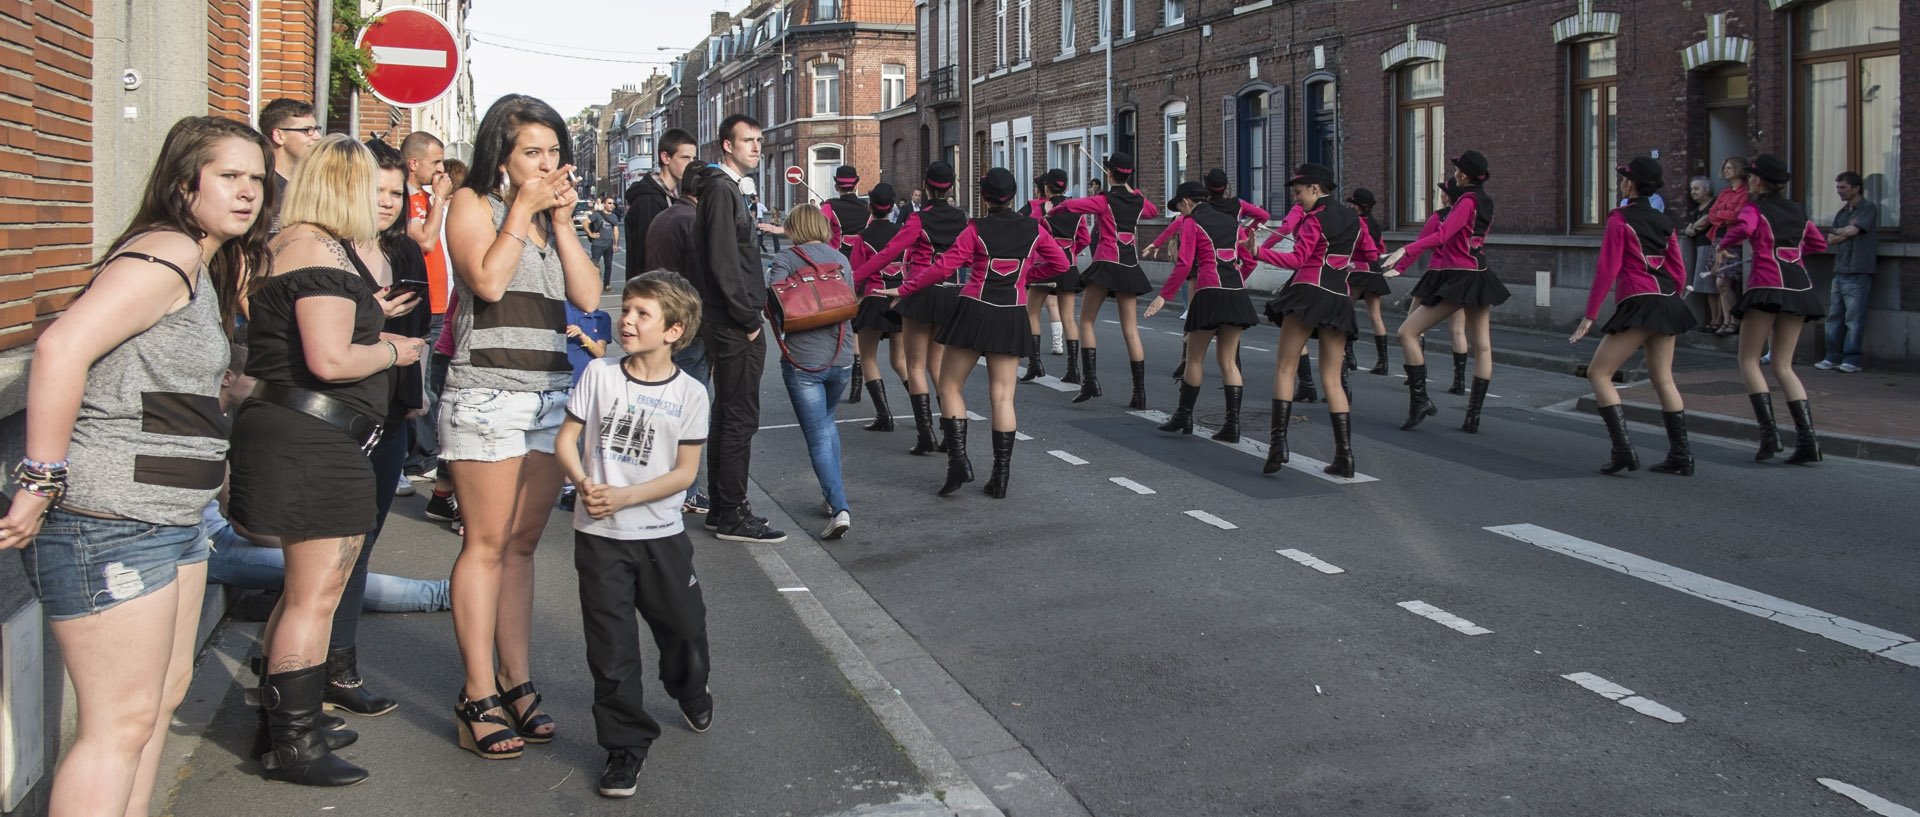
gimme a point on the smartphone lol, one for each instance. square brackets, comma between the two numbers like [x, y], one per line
[406, 287]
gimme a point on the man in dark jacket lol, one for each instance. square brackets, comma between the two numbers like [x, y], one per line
[653, 193]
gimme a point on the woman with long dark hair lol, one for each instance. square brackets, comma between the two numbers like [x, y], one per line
[1219, 307]
[876, 321]
[515, 264]
[107, 515]
[1115, 271]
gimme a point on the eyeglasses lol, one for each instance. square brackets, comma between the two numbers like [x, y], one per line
[310, 130]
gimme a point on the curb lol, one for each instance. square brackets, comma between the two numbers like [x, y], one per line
[1853, 446]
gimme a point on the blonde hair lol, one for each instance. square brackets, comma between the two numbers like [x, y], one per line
[807, 225]
[333, 188]
[679, 302]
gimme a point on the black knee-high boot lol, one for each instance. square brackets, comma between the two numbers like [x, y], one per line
[1182, 419]
[1346, 383]
[1138, 368]
[1350, 365]
[1769, 431]
[1679, 450]
[853, 386]
[1303, 390]
[1034, 368]
[1806, 449]
[1476, 397]
[1230, 430]
[1342, 465]
[922, 424]
[1277, 438]
[1089, 378]
[996, 486]
[882, 414]
[299, 751]
[1180, 369]
[959, 469]
[1073, 363]
[1380, 355]
[1623, 457]
[1419, 407]
[1459, 374]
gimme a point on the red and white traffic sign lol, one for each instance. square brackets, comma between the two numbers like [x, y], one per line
[795, 175]
[415, 56]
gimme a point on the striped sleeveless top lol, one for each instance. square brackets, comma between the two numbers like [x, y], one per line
[519, 342]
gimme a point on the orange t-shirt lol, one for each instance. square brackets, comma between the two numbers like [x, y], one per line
[439, 277]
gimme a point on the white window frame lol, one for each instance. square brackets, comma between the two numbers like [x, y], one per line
[1105, 20]
[1175, 154]
[1176, 12]
[1066, 27]
[1024, 42]
[1000, 34]
[820, 6]
[831, 94]
[1126, 18]
[893, 85]
[820, 171]
[925, 15]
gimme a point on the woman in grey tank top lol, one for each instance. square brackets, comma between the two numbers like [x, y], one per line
[516, 263]
[126, 445]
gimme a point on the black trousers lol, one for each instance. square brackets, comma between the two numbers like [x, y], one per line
[603, 253]
[737, 364]
[655, 577]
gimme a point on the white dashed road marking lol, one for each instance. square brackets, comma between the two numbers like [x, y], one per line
[1054, 383]
[1022, 436]
[1067, 458]
[1213, 520]
[1884, 643]
[1310, 560]
[1444, 618]
[974, 415]
[1298, 462]
[1624, 696]
[1131, 485]
[837, 422]
[1874, 803]
[793, 590]
[1254, 348]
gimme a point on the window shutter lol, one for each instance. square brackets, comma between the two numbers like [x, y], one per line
[1230, 135]
[1279, 161]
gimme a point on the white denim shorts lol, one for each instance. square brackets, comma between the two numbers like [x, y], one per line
[491, 425]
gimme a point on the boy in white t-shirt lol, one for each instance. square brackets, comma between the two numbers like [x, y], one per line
[644, 422]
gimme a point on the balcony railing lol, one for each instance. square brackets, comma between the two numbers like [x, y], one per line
[942, 86]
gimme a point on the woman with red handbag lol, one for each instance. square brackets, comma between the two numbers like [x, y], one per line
[1005, 251]
[816, 363]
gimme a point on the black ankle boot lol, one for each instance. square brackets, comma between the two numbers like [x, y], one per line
[1089, 378]
[1624, 457]
[1806, 449]
[1303, 391]
[1277, 438]
[1182, 419]
[1459, 374]
[959, 470]
[922, 424]
[299, 752]
[1418, 406]
[1073, 363]
[853, 390]
[1138, 368]
[1679, 451]
[345, 690]
[882, 414]
[1349, 365]
[1230, 429]
[1769, 432]
[1476, 397]
[1342, 465]
[1034, 367]
[1002, 464]
[1380, 359]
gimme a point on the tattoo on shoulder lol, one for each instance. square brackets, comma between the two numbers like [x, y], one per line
[339, 255]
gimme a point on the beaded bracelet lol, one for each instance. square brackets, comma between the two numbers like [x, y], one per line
[393, 354]
[38, 480]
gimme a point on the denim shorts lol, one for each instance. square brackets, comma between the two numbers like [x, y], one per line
[81, 565]
[493, 425]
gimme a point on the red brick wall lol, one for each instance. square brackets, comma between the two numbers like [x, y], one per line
[229, 42]
[391, 123]
[46, 133]
[287, 49]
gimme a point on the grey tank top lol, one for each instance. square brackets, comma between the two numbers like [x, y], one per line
[519, 342]
[150, 442]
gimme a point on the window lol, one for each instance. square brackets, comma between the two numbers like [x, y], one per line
[950, 44]
[1847, 103]
[826, 89]
[1026, 31]
[1176, 12]
[1124, 123]
[950, 144]
[826, 10]
[922, 16]
[1421, 144]
[1023, 165]
[1323, 137]
[1066, 27]
[1252, 147]
[1176, 145]
[1595, 120]
[1065, 154]
[1000, 34]
[1105, 19]
[824, 160]
[893, 85]
[1126, 18]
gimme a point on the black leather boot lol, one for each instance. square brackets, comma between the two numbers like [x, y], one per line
[345, 690]
[299, 752]
[1476, 397]
[1182, 419]
[334, 727]
[1073, 363]
[1138, 368]
[959, 470]
[1380, 352]
[1769, 432]
[1349, 365]
[1459, 373]
[1342, 465]
[1034, 368]
[1230, 430]
[1624, 457]
[1277, 438]
[922, 424]
[1346, 383]
[882, 413]
[1180, 369]
[1303, 391]
[853, 391]
[1806, 449]
[1679, 451]
[1002, 464]
[1418, 406]
[1089, 378]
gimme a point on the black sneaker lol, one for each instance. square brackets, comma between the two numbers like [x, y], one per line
[622, 776]
[698, 712]
[751, 529]
[722, 519]
[566, 499]
[443, 508]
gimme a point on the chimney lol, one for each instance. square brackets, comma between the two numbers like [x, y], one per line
[720, 22]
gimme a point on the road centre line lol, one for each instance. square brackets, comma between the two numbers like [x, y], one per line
[1444, 618]
[1213, 520]
[1310, 560]
[1131, 485]
[836, 422]
[1873, 802]
[1298, 462]
[1885, 643]
[1110, 320]
[1254, 348]
[1624, 697]
[1054, 383]
[974, 415]
[793, 590]
[1067, 458]
[1022, 436]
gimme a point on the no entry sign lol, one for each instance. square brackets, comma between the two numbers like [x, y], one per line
[415, 57]
[795, 175]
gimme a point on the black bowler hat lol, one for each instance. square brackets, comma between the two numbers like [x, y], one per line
[880, 197]
[1216, 180]
[1054, 178]
[1119, 164]
[1314, 173]
[939, 175]
[1473, 164]
[845, 176]
[1361, 197]
[1187, 190]
[998, 185]
[1644, 172]
[1770, 167]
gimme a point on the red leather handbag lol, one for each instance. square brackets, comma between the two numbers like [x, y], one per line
[815, 297]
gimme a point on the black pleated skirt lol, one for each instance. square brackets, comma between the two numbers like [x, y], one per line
[1214, 307]
[988, 329]
[931, 305]
[876, 313]
[1466, 287]
[1065, 283]
[1780, 302]
[1119, 279]
[1368, 283]
[1666, 314]
[296, 475]
[1313, 306]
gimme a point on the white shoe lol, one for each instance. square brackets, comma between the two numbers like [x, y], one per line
[838, 527]
[405, 488]
[1849, 368]
[1823, 365]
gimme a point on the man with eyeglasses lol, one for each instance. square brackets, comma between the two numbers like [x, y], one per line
[289, 124]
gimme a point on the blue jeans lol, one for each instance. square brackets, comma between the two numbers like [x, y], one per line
[237, 562]
[1847, 317]
[423, 454]
[694, 361]
[814, 395]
